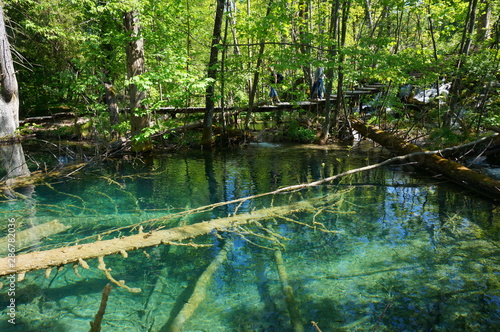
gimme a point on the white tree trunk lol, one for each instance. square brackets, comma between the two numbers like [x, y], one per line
[9, 101]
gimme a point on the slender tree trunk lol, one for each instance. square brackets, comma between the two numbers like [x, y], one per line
[368, 15]
[303, 29]
[206, 139]
[255, 83]
[333, 50]
[9, 94]
[139, 118]
[340, 81]
[462, 58]
[232, 21]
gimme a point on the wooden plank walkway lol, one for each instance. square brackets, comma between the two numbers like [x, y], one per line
[367, 89]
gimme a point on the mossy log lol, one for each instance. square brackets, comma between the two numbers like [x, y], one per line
[23, 263]
[199, 291]
[469, 179]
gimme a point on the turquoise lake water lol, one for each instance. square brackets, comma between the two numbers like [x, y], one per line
[384, 250]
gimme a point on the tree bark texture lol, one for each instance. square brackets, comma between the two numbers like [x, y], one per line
[206, 139]
[9, 94]
[135, 66]
[469, 179]
[114, 113]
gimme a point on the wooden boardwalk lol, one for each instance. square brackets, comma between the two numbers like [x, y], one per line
[368, 89]
[356, 94]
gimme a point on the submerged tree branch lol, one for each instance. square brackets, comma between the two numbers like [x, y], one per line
[199, 292]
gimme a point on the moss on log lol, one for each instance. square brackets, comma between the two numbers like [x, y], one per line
[469, 179]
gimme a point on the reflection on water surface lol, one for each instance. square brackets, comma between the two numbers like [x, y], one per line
[375, 251]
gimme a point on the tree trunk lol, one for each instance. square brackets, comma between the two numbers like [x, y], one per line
[458, 173]
[254, 85]
[9, 96]
[139, 119]
[340, 81]
[79, 253]
[331, 119]
[303, 30]
[114, 115]
[484, 22]
[200, 291]
[206, 139]
[465, 45]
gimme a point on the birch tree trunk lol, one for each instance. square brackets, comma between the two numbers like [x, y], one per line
[9, 95]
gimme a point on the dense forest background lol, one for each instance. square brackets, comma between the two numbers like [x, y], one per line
[119, 62]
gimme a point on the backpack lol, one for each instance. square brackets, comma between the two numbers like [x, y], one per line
[279, 78]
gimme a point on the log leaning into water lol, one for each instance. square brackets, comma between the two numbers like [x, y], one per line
[23, 263]
[456, 172]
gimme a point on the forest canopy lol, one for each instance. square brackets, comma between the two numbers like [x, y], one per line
[73, 54]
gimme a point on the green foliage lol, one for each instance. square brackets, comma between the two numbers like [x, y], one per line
[295, 132]
[446, 136]
[71, 48]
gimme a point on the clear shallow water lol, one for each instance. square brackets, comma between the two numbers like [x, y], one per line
[402, 253]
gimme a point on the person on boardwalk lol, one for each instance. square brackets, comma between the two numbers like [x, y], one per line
[318, 85]
[275, 79]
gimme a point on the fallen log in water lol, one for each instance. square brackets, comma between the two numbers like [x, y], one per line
[31, 236]
[456, 172]
[40, 176]
[199, 291]
[79, 253]
[291, 304]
